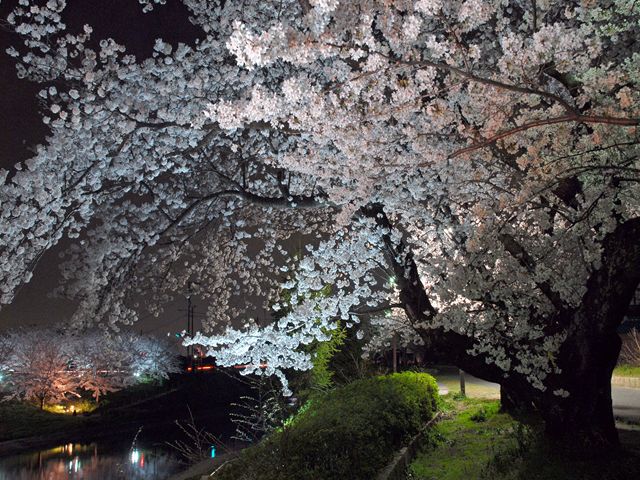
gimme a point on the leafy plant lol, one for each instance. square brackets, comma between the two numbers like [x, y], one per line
[321, 374]
[348, 432]
[479, 416]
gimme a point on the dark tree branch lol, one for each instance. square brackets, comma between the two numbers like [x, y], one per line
[523, 257]
[624, 122]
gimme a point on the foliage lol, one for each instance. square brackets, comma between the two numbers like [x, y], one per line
[21, 419]
[321, 374]
[480, 415]
[348, 432]
[459, 396]
[74, 406]
[627, 371]
[351, 362]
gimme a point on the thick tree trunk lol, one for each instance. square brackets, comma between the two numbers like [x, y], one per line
[576, 404]
[517, 399]
[588, 356]
[584, 420]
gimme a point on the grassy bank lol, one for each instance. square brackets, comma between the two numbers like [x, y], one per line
[350, 432]
[626, 371]
[206, 396]
[21, 419]
[472, 433]
[476, 442]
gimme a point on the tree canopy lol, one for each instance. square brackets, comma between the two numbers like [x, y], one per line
[469, 165]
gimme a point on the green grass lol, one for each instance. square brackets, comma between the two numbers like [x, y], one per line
[538, 462]
[476, 442]
[21, 419]
[469, 437]
[350, 432]
[626, 371]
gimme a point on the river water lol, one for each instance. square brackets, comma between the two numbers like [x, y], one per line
[104, 460]
[131, 456]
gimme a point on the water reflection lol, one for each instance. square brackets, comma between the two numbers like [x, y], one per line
[94, 461]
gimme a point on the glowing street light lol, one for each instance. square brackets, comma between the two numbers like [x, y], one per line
[135, 456]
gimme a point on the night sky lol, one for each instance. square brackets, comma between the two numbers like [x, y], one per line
[21, 128]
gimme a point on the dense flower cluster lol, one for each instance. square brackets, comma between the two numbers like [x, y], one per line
[499, 139]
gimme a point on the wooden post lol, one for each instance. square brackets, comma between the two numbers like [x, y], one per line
[462, 385]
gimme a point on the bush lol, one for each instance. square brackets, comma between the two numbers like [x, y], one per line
[349, 432]
[479, 416]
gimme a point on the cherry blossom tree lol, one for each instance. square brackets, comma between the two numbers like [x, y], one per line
[104, 365]
[48, 365]
[469, 165]
[154, 358]
[108, 362]
[38, 369]
[7, 346]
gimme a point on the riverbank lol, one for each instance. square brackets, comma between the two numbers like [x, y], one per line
[351, 431]
[80, 434]
[207, 397]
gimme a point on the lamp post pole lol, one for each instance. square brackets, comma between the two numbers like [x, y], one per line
[395, 353]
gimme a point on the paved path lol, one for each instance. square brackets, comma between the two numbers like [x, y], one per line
[626, 401]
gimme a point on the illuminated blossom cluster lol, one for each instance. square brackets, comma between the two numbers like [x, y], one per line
[49, 366]
[481, 151]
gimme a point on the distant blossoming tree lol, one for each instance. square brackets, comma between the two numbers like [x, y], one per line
[154, 358]
[102, 366]
[482, 154]
[48, 366]
[39, 368]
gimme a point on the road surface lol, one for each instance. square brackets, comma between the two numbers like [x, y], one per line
[626, 404]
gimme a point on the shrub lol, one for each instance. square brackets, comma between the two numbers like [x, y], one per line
[479, 416]
[349, 432]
